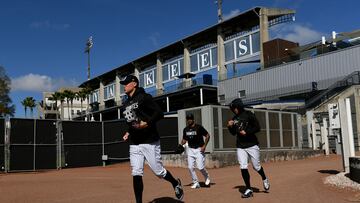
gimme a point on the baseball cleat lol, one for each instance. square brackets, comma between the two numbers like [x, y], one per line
[248, 193]
[266, 184]
[179, 193]
[207, 181]
[195, 186]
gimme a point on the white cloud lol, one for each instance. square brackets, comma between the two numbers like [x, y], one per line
[49, 25]
[39, 83]
[231, 14]
[297, 33]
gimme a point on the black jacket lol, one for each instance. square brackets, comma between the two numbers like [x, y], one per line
[141, 107]
[246, 121]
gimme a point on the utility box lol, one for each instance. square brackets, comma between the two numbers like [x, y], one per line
[334, 117]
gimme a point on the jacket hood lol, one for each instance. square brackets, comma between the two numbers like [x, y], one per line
[237, 103]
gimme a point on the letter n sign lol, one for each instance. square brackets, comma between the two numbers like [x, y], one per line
[149, 78]
[204, 59]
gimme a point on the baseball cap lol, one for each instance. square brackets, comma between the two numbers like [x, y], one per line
[128, 79]
[189, 116]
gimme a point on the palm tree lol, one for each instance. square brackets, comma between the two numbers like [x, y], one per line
[69, 95]
[28, 102]
[56, 97]
[32, 105]
[82, 95]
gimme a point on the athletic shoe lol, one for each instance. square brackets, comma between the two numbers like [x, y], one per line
[207, 181]
[179, 193]
[195, 186]
[248, 193]
[266, 184]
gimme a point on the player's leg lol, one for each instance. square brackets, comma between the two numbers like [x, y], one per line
[137, 171]
[152, 154]
[191, 166]
[243, 161]
[254, 153]
[200, 162]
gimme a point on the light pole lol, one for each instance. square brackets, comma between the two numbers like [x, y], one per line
[89, 44]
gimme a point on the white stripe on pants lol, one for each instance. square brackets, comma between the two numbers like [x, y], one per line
[150, 153]
[253, 152]
[195, 155]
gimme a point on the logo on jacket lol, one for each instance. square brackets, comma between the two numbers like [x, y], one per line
[130, 112]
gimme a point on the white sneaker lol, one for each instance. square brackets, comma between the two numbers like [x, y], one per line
[248, 193]
[266, 184]
[195, 186]
[207, 181]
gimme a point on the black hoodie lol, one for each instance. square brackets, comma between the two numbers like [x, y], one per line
[244, 120]
[141, 107]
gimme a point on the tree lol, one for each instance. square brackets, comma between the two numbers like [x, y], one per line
[69, 95]
[56, 97]
[29, 102]
[82, 95]
[6, 108]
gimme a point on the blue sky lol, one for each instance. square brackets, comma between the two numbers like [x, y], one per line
[42, 42]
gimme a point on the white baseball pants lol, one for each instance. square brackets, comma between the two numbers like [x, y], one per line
[252, 152]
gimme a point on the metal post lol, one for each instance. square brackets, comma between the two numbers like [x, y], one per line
[34, 160]
[281, 132]
[7, 145]
[88, 65]
[267, 129]
[293, 130]
[324, 136]
[201, 97]
[103, 144]
[167, 104]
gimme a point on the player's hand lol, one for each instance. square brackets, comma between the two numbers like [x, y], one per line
[230, 123]
[126, 136]
[202, 149]
[140, 125]
[242, 132]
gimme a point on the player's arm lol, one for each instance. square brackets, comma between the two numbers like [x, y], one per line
[231, 127]
[126, 136]
[253, 126]
[206, 141]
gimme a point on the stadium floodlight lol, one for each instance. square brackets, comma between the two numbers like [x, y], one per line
[89, 45]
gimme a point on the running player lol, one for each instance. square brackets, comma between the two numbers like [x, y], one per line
[194, 135]
[141, 114]
[244, 125]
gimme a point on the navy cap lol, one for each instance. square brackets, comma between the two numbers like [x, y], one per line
[189, 116]
[128, 79]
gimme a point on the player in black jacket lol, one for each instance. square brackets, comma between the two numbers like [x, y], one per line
[244, 125]
[141, 114]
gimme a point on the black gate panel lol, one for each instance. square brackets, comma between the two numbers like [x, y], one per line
[2, 146]
[22, 144]
[82, 143]
[168, 131]
[45, 149]
[115, 147]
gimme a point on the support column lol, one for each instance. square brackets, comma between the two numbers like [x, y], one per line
[201, 97]
[187, 64]
[117, 90]
[222, 71]
[313, 132]
[137, 71]
[344, 135]
[264, 33]
[101, 96]
[309, 118]
[324, 136]
[159, 76]
[357, 113]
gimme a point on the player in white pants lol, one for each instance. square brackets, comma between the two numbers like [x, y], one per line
[141, 114]
[194, 135]
[244, 125]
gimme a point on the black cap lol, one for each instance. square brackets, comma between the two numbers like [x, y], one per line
[189, 116]
[237, 103]
[128, 79]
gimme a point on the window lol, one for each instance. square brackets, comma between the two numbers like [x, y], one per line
[241, 94]
[109, 91]
[222, 97]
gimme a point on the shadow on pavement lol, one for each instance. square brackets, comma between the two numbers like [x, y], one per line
[333, 172]
[165, 200]
[242, 189]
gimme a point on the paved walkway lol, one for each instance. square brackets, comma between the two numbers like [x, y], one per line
[291, 181]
